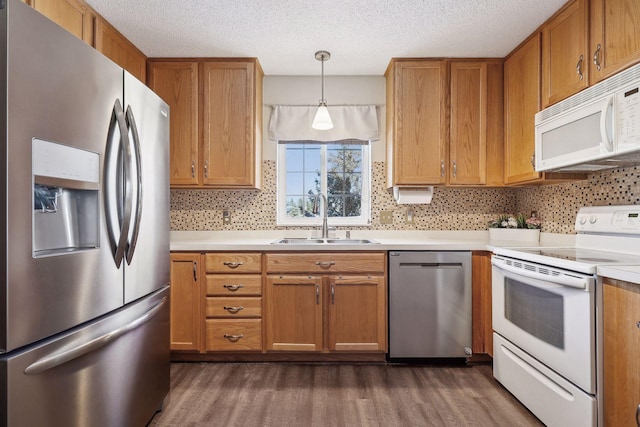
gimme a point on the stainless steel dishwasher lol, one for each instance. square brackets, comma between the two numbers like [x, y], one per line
[429, 304]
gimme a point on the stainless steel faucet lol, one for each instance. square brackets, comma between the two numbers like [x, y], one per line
[325, 228]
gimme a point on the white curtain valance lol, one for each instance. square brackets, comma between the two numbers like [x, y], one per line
[293, 123]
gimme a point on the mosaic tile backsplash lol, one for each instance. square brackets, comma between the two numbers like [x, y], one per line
[450, 209]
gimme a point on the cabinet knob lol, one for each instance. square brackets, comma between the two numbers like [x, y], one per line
[317, 294]
[533, 160]
[195, 271]
[455, 169]
[638, 416]
[333, 293]
[596, 57]
[193, 168]
[442, 168]
[206, 168]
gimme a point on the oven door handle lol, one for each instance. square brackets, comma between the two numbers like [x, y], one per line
[578, 282]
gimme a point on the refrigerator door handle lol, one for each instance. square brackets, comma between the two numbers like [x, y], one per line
[117, 223]
[131, 124]
[65, 356]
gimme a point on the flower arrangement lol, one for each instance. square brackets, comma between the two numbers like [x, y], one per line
[516, 221]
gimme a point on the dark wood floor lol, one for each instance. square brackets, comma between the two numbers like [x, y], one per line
[233, 394]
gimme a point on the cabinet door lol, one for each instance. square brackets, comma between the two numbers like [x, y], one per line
[565, 57]
[228, 118]
[357, 313]
[177, 84]
[293, 319]
[482, 339]
[521, 103]
[621, 307]
[418, 122]
[614, 36]
[468, 147]
[116, 47]
[186, 300]
[72, 15]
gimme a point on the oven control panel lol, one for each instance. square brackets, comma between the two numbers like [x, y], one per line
[609, 219]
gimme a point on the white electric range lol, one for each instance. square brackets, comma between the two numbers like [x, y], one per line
[546, 320]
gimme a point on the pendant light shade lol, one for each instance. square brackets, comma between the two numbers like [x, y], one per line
[322, 120]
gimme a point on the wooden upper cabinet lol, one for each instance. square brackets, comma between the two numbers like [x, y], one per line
[468, 147]
[417, 122]
[521, 103]
[116, 47]
[177, 84]
[614, 36]
[565, 53]
[72, 15]
[232, 123]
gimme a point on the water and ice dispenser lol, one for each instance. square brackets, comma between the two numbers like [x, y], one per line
[66, 204]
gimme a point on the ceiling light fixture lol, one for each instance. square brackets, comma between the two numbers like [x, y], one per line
[322, 120]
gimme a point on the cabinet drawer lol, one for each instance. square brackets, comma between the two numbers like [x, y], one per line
[234, 335]
[234, 307]
[228, 262]
[234, 284]
[335, 262]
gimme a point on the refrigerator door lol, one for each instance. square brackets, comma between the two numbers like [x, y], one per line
[61, 92]
[147, 254]
[111, 372]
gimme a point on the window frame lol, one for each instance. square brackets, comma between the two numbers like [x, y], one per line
[363, 219]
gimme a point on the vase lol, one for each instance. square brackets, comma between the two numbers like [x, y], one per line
[523, 235]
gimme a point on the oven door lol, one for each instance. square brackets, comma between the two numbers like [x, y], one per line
[553, 322]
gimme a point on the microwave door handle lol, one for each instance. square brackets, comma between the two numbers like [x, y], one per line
[585, 283]
[131, 123]
[607, 143]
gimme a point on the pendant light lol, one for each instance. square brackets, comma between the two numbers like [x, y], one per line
[322, 120]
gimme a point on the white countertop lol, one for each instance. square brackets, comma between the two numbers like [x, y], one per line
[628, 273]
[388, 240]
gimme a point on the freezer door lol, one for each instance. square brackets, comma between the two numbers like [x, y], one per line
[60, 91]
[147, 255]
[112, 372]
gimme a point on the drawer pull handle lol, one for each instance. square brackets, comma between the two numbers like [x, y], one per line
[233, 288]
[233, 309]
[325, 264]
[231, 264]
[233, 338]
[596, 57]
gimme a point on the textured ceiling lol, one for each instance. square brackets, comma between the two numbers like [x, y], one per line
[362, 35]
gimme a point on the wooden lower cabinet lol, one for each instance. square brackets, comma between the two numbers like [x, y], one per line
[186, 298]
[233, 335]
[233, 302]
[621, 314]
[482, 337]
[342, 310]
[294, 313]
[357, 313]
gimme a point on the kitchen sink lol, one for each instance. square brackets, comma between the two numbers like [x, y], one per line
[306, 241]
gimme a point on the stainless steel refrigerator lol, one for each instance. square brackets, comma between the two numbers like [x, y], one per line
[84, 227]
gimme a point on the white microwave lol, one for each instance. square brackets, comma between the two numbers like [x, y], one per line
[598, 128]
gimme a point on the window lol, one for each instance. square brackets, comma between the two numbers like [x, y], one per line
[341, 171]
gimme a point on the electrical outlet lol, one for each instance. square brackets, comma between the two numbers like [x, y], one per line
[409, 217]
[226, 217]
[386, 217]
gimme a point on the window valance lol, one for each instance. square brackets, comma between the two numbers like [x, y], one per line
[293, 123]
